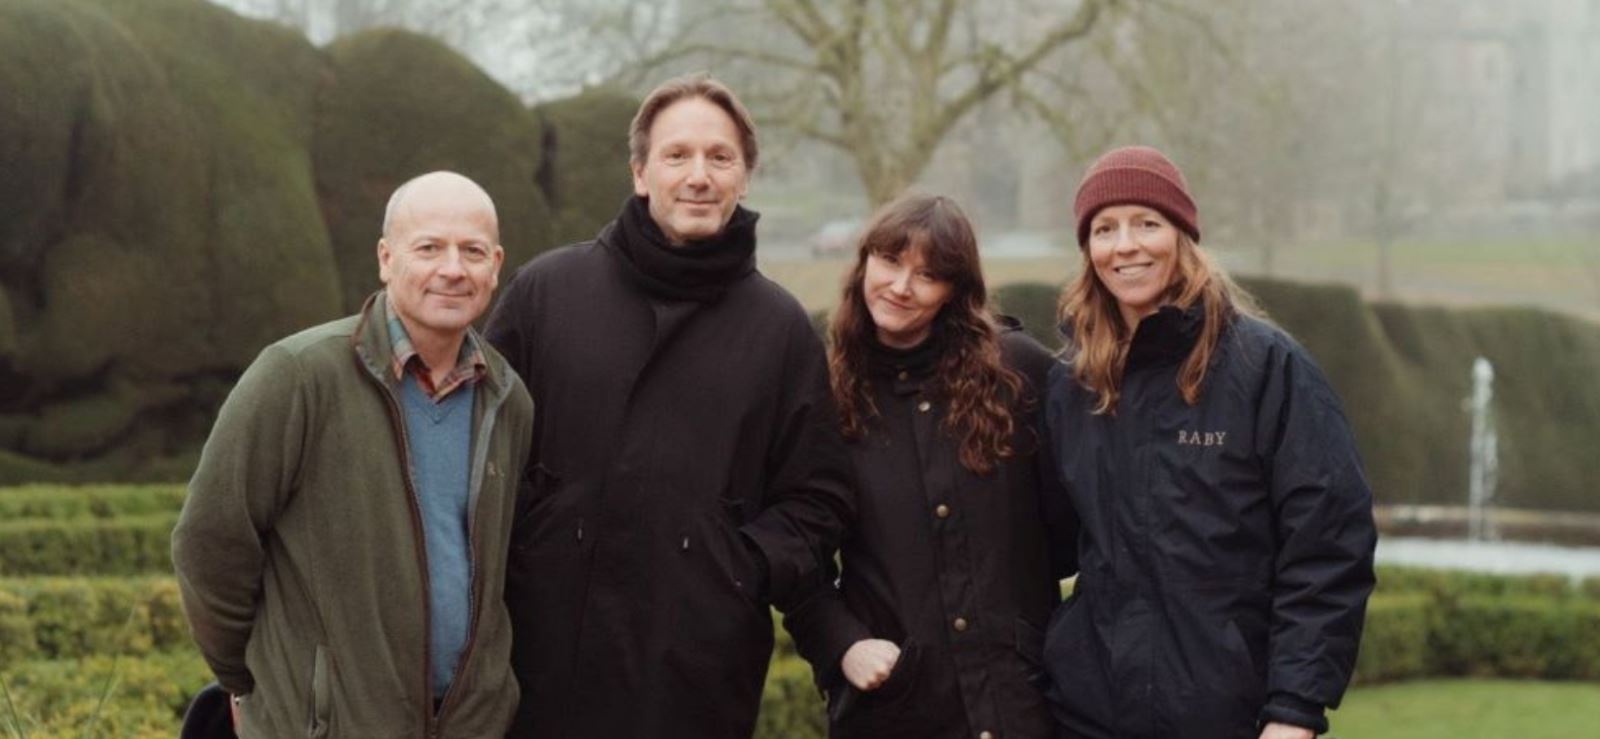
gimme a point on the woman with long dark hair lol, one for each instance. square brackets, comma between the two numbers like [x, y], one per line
[935, 627]
[1227, 540]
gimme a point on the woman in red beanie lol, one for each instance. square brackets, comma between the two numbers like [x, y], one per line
[1226, 553]
[936, 627]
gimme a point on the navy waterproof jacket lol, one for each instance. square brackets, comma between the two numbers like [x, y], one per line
[1226, 548]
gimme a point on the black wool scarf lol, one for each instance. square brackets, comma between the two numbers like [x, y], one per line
[698, 271]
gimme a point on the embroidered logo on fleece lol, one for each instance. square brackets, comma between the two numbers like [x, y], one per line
[1201, 438]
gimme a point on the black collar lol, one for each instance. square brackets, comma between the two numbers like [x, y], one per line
[1166, 336]
[699, 271]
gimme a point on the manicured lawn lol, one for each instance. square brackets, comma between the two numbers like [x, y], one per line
[1468, 709]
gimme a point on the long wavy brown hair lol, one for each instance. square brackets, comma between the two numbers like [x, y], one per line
[970, 377]
[1099, 341]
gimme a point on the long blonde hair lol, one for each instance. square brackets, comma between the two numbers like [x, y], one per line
[1098, 345]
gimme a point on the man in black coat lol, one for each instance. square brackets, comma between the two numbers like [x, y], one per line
[686, 469]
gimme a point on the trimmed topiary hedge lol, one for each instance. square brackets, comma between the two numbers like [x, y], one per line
[1424, 623]
[148, 694]
[88, 501]
[1394, 644]
[395, 104]
[585, 170]
[1518, 637]
[1402, 372]
[71, 617]
[129, 545]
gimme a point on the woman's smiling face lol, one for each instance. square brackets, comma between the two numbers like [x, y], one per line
[1133, 249]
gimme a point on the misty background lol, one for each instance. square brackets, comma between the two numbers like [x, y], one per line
[1422, 150]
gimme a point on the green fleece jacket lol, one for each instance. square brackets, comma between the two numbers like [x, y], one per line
[300, 555]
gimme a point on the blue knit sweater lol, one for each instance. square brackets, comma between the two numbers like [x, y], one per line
[439, 436]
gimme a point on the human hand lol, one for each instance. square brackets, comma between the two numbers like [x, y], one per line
[233, 711]
[1276, 730]
[867, 663]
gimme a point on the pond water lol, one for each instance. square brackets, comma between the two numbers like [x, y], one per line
[1504, 557]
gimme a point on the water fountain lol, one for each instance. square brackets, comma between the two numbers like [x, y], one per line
[1483, 455]
[1482, 548]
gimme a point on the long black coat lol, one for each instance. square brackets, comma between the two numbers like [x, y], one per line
[1226, 554]
[669, 438]
[950, 565]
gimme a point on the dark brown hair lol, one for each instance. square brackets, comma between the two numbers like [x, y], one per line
[699, 85]
[970, 377]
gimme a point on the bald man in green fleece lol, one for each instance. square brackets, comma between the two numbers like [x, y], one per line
[341, 554]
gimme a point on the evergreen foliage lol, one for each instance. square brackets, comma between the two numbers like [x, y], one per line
[186, 186]
[586, 172]
[1403, 374]
[393, 105]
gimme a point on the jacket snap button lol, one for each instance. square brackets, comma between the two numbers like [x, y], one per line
[960, 624]
[903, 375]
[924, 406]
[942, 511]
[985, 735]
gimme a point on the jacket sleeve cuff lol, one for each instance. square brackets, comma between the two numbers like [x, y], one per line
[761, 588]
[824, 628]
[236, 682]
[1285, 708]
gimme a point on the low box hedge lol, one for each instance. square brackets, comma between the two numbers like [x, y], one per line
[61, 618]
[61, 698]
[127, 545]
[1522, 637]
[1394, 643]
[88, 501]
[1453, 584]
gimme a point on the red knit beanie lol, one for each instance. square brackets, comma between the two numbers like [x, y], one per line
[1135, 175]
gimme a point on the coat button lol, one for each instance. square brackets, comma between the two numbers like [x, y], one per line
[924, 406]
[942, 511]
[985, 735]
[960, 624]
[902, 376]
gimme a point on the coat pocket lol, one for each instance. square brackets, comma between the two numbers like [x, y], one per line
[534, 496]
[732, 555]
[321, 696]
[891, 708]
[1030, 648]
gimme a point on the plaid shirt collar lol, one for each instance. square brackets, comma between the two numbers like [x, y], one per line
[470, 364]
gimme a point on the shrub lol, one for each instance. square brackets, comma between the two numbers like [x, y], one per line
[585, 167]
[1450, 585]
[791, 706]
[16, 630]
[88, 501]
[129, 545]
[59, 698]
[1519, 637]
[1035, 305]
[1401, 372]
[455, 117]
[1394, 643]
[60, 618]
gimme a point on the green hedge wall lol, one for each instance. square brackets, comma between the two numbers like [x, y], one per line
[1402, 373]
[89, 501]
[129, 545]
[57, 636]
[585, 172]
[244, 171]
[147, 695]
[1518, 637]
[76, 617]
[395, 104]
